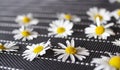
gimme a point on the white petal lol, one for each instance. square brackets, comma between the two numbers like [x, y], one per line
[65, 57]
[68, 43]
[17, 37]
[59, 50]
[34, 21]
[72, 43]
[80, 57]
[109, 25]
[61, 56]
[72, 58]
[61, 45]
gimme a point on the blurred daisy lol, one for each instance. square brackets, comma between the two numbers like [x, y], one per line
[116, 42]
[107, 63]
[35, 50]
[60, 28]
[71, 51]
[101, 31]
[116, 14]
[102, 13]
[69, 17]
[113, 1]
[25, 34]
[8, 47]
[26, 20]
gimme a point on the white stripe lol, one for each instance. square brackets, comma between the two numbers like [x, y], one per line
[75, 38]
[52, 59]
[9, 68]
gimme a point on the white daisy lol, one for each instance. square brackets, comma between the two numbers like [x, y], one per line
[116, 14]
[101, 31]
[35, 50]
[25, 34]
[26, 20]
[61, 28]
[102, 13]
[116, 42]
[8, 47]
[71, 51]
[113, 1]
[69, 17]
[107, 63]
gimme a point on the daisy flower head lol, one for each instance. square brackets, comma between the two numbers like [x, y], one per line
[25, 34]
[102, 13]
[107, 63]
[116, 14]
[71, 51]
[101, 31]
[116, 42]
[60, 28]
[8, 47]
[113, 1]
[35, 50]
[69, 17]
[26, 20]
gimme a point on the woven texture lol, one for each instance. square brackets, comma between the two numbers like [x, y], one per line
[45, 11]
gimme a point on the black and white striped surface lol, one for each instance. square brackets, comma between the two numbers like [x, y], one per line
[45, 11]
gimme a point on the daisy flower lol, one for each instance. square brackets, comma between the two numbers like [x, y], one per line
[24, 34]
[102, 13]
[107, 63]
[26, 20]
[101, 31]
[69, 17]
[8, 47]
[113, 1]
[116, 14]
[35, 50]
[60, 28]
[70, 51]
[116, 42]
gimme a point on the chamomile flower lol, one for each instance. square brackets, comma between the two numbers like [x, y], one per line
[107, 63]
[26, 20]
[101, 31]
[60, 28]
[71, 51]
[102, 13]
[116, 14]
[8, 47]
[35, 50]
[113, 1]
[25, 34]
[69, 17]
[116, 42]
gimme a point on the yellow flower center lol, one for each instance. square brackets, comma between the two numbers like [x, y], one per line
[68, 17]
[38, 49]
[118, 12]
[70, 50]
[25, 33]
[60, 30]
[115, 62]
[99, 30]
[99, 16]
[26, 20]
[2, 47]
